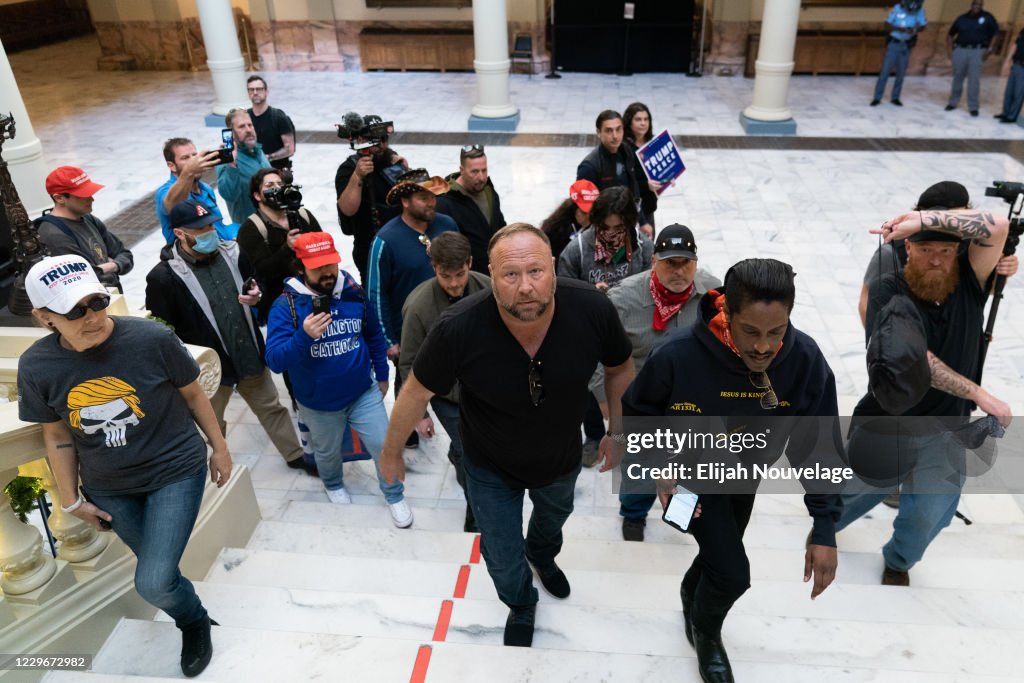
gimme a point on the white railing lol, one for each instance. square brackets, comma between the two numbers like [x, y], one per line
[70, 603]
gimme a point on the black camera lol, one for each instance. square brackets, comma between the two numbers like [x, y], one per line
[1005, 189]
[283, 197]
[365, 132]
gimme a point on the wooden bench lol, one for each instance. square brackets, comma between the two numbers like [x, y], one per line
[416, 50]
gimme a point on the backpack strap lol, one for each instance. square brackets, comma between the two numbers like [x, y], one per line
[291, 309]
[262, 227]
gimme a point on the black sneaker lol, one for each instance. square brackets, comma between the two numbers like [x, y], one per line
[196, 647]
[950, 107]
[519, 626]
[974, 112]
[897, 102]
[633, 528]
[1006, 120]
[590, 452]
[554, 581]
[307, 467]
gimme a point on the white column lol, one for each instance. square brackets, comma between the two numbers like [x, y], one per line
[223, 55]
[774, 63]
[23, 154]
[490, 42]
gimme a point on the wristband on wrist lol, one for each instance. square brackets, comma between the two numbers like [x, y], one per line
[617, 438]
[74, 506]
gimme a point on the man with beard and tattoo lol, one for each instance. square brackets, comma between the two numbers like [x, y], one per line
[948, 286]
[361, 184]
[322, 332]
[522, 355]
[248, 158]
[399, 261]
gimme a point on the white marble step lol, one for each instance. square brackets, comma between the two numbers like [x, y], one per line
[97, 677]
[460, 662]
[935, 571]
[249, 654]
[765, 639]
[966, 607]
[764, 531]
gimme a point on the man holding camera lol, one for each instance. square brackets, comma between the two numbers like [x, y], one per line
[199, 288]
[187, 166]
[362, 184]
[248, 157]
[267, 237]
[473, 203]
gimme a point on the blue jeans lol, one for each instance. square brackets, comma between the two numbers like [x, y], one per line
[156, 525]
[897, 55]
[499, 514]
[1013, 97]
[928, 498]
[636, 505]
[448, 415]
[368, 417]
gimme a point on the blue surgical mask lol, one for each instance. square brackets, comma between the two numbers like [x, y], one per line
[207, 243]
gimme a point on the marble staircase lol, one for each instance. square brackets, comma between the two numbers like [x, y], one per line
[337, 591]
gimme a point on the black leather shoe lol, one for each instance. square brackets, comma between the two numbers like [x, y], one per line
[712, 661]
[974, 112]
[687, 605]
[554, 581]
[897, 102]
[874, 103]
[519, 626]
[1006, 120]
[301, 464]
[633, 529]
[196, 647]
[950, 107]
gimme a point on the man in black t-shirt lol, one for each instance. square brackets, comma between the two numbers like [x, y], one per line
[522, 355]
[274, 130]
[948, 286]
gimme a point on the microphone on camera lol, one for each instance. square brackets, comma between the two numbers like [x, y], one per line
[352, 121]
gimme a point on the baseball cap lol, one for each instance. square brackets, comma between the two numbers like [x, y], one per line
[58, 283]
[947, 194]
[674, 241]
[316, 249]
[192, 215]
[583, 193]
[71, 180]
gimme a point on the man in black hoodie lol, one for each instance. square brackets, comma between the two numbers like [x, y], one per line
[473, 203]
[741, 358]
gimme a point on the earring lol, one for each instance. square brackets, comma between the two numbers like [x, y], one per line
[50, 324]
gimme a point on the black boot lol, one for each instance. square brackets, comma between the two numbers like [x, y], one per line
[687, 599]
[196, 647]
[712, 661]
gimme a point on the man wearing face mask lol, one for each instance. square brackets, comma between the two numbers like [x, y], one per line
[197, 288]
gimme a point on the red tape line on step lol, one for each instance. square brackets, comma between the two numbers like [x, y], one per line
[462, 582]
[443, 619]
[474, 554]
[419, 669]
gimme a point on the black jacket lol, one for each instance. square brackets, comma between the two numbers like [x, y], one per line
[169, 298]
[472, 223]
[599, 168]
[693, 373]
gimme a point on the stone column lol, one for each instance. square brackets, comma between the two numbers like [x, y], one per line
[769, 113]
[24, 153]
[224, 57]
[494, 109]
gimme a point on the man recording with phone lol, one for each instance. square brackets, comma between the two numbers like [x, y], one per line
[267, 237]
[247, 158]
[187, 166]
[363, 181]
[203, 287]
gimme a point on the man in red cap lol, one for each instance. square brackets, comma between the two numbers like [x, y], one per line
[323, 333]
[70, 227]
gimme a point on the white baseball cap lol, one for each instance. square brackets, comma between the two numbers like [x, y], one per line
[58, 283]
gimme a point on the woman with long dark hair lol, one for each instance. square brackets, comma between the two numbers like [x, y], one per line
[571, 217]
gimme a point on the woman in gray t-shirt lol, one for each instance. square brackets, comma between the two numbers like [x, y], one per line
[119, 400]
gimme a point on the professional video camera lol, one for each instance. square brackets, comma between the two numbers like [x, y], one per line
[284, 197]
[1005, 189]
[364, 132]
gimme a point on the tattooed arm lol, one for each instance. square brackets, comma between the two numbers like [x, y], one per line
[945, 379]
[63, 457]
[987, 232]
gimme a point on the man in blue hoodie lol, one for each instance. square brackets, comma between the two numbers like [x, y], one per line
[322, 332]
[741, 358]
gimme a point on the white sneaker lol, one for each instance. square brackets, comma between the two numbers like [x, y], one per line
[401, 514]
[339, 496]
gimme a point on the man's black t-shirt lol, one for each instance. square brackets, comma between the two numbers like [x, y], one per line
[528, 446]
[375, 190]
[270, 126]
[953, 330]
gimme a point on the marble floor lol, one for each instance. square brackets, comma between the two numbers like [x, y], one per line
[810, 208]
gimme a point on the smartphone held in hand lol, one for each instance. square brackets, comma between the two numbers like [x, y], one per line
[680, 508]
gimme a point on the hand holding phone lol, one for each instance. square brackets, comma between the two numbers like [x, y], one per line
[321, 304]
[680, 509]
[225, 155]
[248, 285]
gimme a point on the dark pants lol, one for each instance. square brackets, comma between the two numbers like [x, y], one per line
[636, 505]
[499, 514]
[593, 422]
[720, 573]
[448, 414]
[412, 440]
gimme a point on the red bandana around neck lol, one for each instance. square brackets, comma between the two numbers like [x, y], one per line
[666, 303]
[719, 325]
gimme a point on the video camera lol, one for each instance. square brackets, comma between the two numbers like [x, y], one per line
[1005, 189]
[283, 197]
[364, 132]
[1012, 194]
